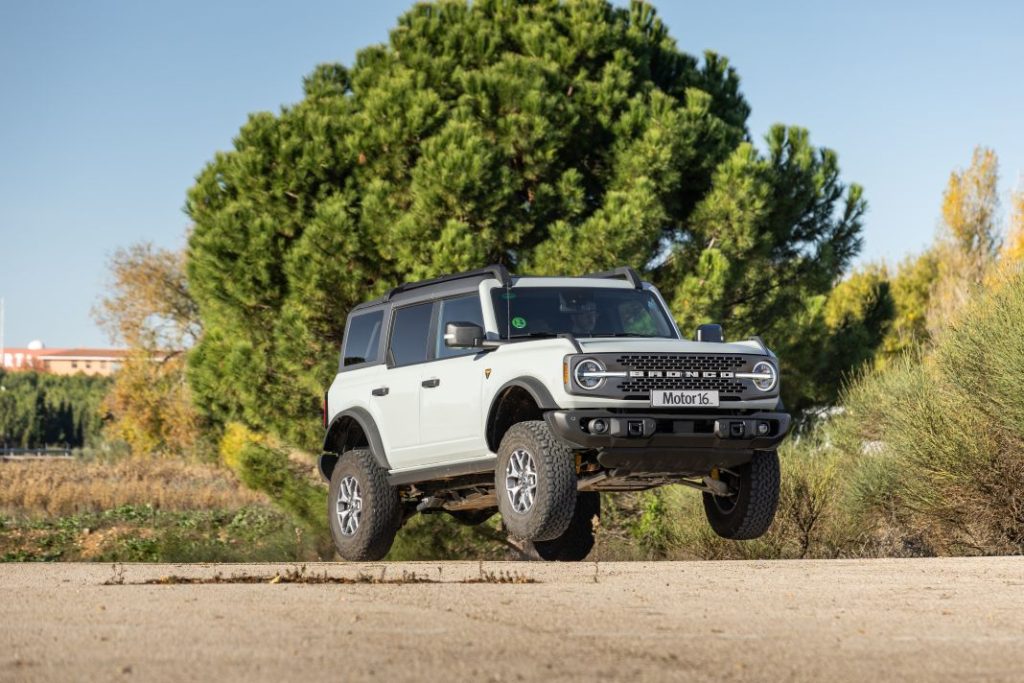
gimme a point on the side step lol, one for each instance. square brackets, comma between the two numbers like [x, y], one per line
[414, 476]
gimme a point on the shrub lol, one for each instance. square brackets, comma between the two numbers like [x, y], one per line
[669, 522]
[938, 442]
[269, 470]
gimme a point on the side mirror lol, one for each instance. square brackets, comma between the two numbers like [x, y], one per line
[710, 333]
[462, 335]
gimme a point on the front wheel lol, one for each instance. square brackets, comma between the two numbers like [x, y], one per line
[535, 481]
[364, 510]
[749, 509]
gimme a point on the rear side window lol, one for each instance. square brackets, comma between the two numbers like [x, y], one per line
[363, 339]
[409, 334]
[465, 309]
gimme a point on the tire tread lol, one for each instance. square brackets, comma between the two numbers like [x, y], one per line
[758, 512]
[551, 515]
[380, 519]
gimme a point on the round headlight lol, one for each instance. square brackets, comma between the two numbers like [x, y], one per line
[584, 374]
[770, 376]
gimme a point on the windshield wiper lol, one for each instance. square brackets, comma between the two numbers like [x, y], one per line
[623, 334]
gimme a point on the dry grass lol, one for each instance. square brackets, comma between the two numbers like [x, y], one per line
[49, 488]
[300, 575]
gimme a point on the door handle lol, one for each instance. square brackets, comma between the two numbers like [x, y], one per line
[430, 383]
[380, 391]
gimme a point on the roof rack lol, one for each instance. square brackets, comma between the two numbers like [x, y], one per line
[496, 271]
[626, 273]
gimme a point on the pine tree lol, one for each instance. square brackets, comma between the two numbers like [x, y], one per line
[551, 137]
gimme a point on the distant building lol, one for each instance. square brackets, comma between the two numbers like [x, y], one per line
[62, 361]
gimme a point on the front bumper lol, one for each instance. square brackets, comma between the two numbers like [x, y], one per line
[669, 442]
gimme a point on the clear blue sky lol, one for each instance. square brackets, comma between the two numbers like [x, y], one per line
[109, 109]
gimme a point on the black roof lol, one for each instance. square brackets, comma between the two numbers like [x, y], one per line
[495, 271]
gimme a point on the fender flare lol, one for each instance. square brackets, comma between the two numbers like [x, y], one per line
[328, 459]
[533, 386]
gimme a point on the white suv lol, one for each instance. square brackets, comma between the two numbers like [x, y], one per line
[484, 392]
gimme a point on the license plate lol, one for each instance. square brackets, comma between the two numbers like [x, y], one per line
[661, 398]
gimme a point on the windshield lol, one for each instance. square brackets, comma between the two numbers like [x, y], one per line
[581, 311]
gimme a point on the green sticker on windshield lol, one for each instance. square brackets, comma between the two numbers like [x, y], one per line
[518, 323]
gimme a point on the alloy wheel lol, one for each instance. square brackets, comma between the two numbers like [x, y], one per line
[521, 480]
[350, 506]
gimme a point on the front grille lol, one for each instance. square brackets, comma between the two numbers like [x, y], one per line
[661, 364]
[642, 385]
[667, 361]
[681, 363]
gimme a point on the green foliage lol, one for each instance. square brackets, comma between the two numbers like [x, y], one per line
[439, 537]
[833, 337]
[144, 534]
[38, 409]
[669, 523]
[267, 469]
[767, 236]
[552, 137]
[649, 530]
[911, 289]
[939, 439]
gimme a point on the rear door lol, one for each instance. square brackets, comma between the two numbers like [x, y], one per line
[398, 396]
[451, 425]
[362, 365]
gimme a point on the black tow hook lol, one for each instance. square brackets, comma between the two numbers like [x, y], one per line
[743, 429]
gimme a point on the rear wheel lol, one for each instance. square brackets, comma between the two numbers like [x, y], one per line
[578, 540]
[749, 509]
[535, 481]
[364, 510]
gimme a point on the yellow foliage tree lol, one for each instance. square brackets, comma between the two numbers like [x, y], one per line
[1013, 249]
[236, 437]
[150, 310]
[910, 286]
[969, 242]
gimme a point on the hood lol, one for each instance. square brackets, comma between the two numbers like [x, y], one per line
[656, 345]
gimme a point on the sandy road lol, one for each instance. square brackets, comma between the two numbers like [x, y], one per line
[922, 620]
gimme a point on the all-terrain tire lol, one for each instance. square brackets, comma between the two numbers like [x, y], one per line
[750, 512]
[554, 497]
[379, 509]
[578, 540]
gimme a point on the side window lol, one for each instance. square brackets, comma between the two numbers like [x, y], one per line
[409, 334]
[363, 339]
[465, 309]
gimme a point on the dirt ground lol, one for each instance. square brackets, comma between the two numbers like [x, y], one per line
[857, 620]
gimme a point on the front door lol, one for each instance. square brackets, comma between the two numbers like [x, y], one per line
[451, 422]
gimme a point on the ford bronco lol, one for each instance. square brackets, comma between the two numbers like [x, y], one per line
[483, 392]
